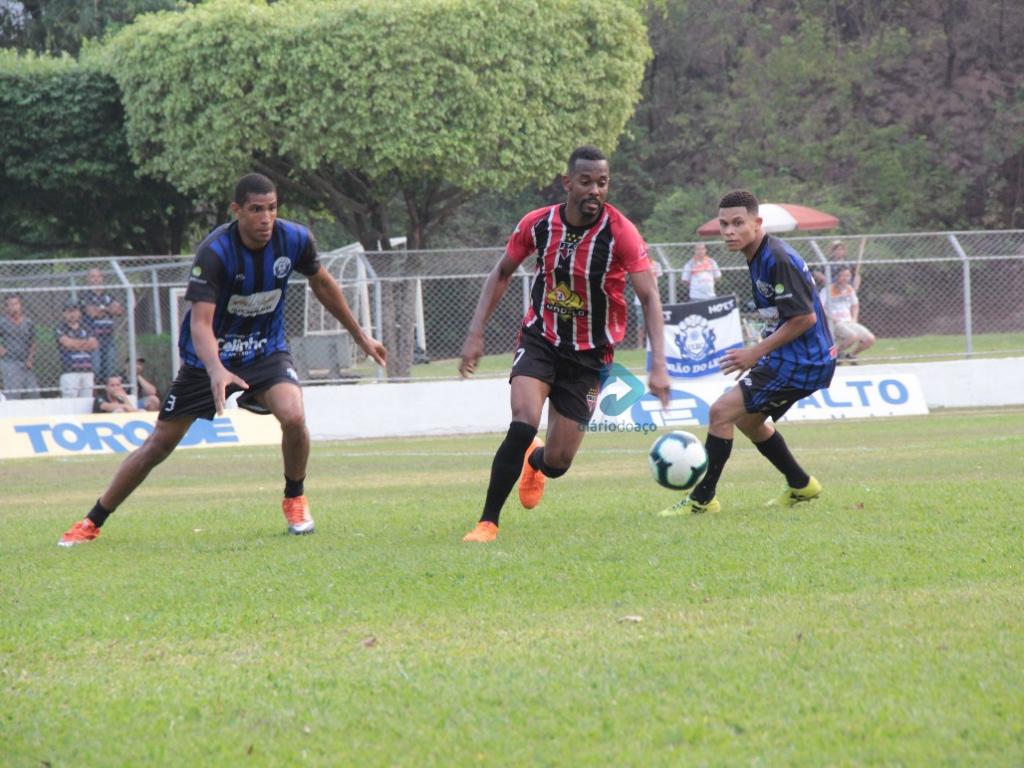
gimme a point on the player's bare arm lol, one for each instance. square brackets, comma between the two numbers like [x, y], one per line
[206, 349]
[494, 288]
[739, 361]
[328, 293]
[646, 288]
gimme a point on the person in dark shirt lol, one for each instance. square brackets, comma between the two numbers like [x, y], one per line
[76, 344]
[794, 358]
[232, 339]
[101, 311]
[114, 398]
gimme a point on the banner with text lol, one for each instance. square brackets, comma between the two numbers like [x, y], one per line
[697, 333]
[123, 432]
[624, 403]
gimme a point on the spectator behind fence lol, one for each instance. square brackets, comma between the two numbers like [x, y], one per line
[17, 351]
[148, 395]
[837, 261]
[101, 312]
[114, 398]
[843, 309]
[76, 344]
[700, 274]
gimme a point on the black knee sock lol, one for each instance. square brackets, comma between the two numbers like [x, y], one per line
[777, 452]
[718, 450]
[99, 514]
[537, 462]
[506, 468]
[293, 488]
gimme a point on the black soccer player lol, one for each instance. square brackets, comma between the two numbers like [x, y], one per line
[232, 338]
[585, 249]
[795, 357]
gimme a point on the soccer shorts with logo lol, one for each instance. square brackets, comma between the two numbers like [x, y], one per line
[190, 394]
[766, 390]
[574, 376]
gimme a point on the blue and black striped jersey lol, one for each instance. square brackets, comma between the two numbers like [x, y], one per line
[783, 288]
[248, 288]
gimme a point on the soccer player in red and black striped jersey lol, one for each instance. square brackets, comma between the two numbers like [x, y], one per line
[232, 339]
[585, 248]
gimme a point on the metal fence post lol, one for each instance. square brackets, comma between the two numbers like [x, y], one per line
[158, 322]
[668, 273]
[968, 329]
[130, 311]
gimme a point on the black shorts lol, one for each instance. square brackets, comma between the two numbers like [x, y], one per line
[574, 376]
[190, 394]
[765, 391]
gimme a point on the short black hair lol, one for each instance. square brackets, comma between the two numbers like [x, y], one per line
[586, 152]
[739, 198]
[253, 184]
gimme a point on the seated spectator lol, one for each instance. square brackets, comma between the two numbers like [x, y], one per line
[843, 310]
[700, 274]
[148, 395]
[76, 345]
[17, 351]
[114, 398]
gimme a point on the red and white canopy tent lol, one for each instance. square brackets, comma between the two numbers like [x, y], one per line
[782, 217]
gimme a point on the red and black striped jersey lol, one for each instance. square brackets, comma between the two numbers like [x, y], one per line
[577, 299]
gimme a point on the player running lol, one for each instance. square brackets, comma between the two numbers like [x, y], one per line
[232, 339]
[794, 358]
[585, 248]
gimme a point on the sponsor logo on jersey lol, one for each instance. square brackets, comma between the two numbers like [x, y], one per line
[197, 271]
[240, 345]
[255, 304]
[563, 301]
[282, 266]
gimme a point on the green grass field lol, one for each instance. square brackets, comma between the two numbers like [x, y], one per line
[881, 625]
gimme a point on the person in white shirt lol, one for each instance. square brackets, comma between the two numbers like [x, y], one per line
[843, 309]
[700, 274]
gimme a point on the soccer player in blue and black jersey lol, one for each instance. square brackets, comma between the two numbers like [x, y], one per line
[232, 339]
[795, 357]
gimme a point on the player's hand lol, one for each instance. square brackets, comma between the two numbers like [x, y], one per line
[373, 349]
[472, 351]
[738, 361]
[658, 383]
[220, 380]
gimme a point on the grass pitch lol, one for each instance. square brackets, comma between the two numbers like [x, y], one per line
[882, 624]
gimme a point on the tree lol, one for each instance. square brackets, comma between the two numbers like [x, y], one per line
[349, 105]
[66, 177]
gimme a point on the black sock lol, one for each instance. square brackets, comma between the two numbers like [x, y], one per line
[537, 462]
[99, 514]
[777, 452]
[506, 468]
[293, 488]
[718, 450]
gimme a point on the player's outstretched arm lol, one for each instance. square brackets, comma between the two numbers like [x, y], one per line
[494, 288]
[646, 288]
[328, 293]
[206, 349]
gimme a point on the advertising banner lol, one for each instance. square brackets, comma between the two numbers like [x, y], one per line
[697, 333]
[124, 432]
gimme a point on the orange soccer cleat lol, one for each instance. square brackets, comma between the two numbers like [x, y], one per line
[79, 533]
[296, 512]
[485, 531]
[531, 481]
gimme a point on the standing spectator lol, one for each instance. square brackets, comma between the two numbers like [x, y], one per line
[76, 345]
[17, 350]
[843, 309]
[148, 396]
[700, 274]
[101, 312]
[114, 398]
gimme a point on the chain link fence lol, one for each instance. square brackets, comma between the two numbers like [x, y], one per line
[923, 295]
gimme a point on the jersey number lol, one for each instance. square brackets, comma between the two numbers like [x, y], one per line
[519, 355]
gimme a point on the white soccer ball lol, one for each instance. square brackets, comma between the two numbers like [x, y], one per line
[678, 460]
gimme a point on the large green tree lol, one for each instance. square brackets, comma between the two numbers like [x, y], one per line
[67, 182]
[352, 104]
